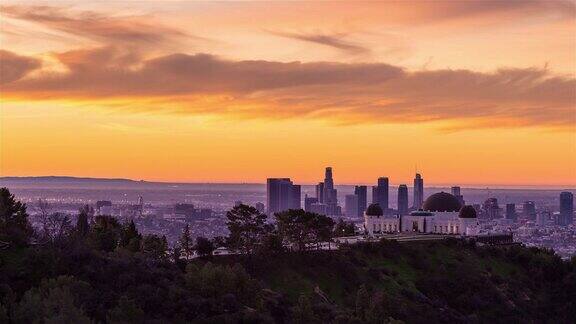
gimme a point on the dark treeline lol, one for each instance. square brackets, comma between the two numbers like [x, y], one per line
[99, 270]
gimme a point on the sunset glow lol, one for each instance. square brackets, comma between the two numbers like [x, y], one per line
[471, 93]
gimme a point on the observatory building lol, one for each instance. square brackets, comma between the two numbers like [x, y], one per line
[441, 213]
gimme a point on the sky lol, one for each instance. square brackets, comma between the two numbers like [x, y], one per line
[466, 92]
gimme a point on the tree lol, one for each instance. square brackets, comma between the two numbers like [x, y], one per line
[301, 228]
[247, 226]
[322, 228]
[294, 227]
[127, 311]
[105, 233]
[14, 226]
[344, 228]
[58, 227]
[186, 243]
[54, 301]
[204, 246]
[85, 215]
[155, 246]
[130, 238]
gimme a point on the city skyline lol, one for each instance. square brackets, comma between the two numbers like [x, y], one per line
[166, 91]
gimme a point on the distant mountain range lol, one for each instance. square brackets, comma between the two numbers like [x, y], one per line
[66, 179]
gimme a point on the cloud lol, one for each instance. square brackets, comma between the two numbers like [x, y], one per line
[336, 41]
[97, 26]
[347, 93]
[14, 67]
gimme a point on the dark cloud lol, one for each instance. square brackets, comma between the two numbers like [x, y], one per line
[14, 67]
[348, 93]
[96, 26]
[336, 41]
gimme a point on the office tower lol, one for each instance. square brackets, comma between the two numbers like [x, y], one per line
[529, 210]
[260, 207]
[418, 191]
[542, 219]
[403, 199]
[296, 197]
[456, 193]
[362, 193]
[566, 208]
[511, 212]
[380, 193]
[318, 208]
[330, 194]
[320, 192]
[491, 208]
[329, 191]
[281, 195]
[352, 206]
[308, 201]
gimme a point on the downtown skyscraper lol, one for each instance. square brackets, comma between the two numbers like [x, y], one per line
[403, 199]
[362, 193]
[418, 191]
[566, 216]
[281, 195]
[380, 193]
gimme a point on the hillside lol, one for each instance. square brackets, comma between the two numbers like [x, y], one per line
[417, 283]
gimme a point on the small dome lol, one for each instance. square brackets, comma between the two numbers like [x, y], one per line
[467, 212]
[442, 202]
[374, 210]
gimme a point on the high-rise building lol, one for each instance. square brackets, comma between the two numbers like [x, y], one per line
[352, 206]
[308, 201]
[542, 218]
[403, 199]
[320, 192]
[318, 208]
[529, 210]
[362, 193]
[380, 193]
[330, 194]
[511, 212]
[296, 197]
[418, 191]
[491, 210]
[456, 192]
[566, 216]
[281, 195]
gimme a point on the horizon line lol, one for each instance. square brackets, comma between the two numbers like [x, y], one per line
[432, 185]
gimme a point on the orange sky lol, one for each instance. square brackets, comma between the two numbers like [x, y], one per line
[472, 92]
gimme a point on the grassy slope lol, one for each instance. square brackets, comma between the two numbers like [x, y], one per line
[482, 285]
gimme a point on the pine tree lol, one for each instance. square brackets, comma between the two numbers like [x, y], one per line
[186, 243]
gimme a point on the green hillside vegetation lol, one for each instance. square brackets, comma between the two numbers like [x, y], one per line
[102, 271]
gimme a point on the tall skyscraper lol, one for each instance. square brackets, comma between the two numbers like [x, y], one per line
[380, 193]
[281, 195]
[418, 191]
[456, 193]
[362, 193]
[351, 206]
[330, 193]
[320, 192]
[491, 208]
[566, 216]
[511, 212]
[403, 199]
[529, 210]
